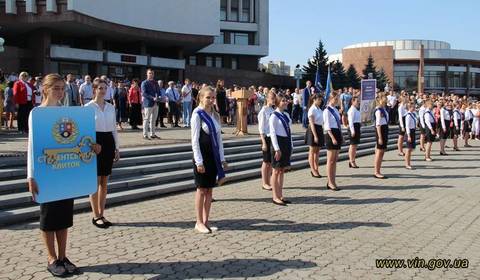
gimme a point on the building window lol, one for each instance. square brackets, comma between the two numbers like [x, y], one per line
[234, 10]
[220, 39]
[239, 39]
[235, 63]
[406, 80]
[245, 11]
[192, 60]
[223, 10]
[457, 80]
[434, 79]
[475, 80]
[209, 61]
[218, 62]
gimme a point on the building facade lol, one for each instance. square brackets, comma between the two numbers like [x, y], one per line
[121, 38]
[276, 68]
[421, 65]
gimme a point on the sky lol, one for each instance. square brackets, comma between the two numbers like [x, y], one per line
[297, 25]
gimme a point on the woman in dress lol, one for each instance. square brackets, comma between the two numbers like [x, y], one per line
[208, 156]
[264, 129]
[354, 125]
[333, 138]
[120, 100]
[314, 137]
[9, 105]
[57, 216]
[221, 100]
[402, 112]
[381, 134]
[135, 101]
[107, 138]
[410, 127]
[281, 136]
[430, 129]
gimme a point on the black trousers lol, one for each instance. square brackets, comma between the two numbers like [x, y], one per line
[174, 111]
[297, 113]
[162, 112]
[22, 117]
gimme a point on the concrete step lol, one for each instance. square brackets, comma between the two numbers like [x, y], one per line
[30, 213]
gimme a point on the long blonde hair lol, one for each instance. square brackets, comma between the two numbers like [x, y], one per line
[203, 91]
[47, 84]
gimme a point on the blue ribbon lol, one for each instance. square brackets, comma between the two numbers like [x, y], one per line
[383, 113]
[337, 118]
[213, 138]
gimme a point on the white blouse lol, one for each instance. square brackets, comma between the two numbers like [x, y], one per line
[457, 117]
[379, 119]
[317, 114]
[429, 118]
[263, 117]
[444, 116]
[468, 114]
[197, 125]
[29, 90]
[329, 120]
[353, 117]
[421, 116]
[410, 122]
[277, 129]
[402, 111]
[105, 121]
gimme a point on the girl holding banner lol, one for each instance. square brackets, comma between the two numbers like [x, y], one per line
[107, 138]
[333, 139]
[264, 129]
[281, 136]
[381, 133]
[314, 137]
[208, 156]
[410, 126]
[57, 216]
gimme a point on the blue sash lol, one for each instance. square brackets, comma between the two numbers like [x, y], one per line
[286, 125]
[383, 114]
[213, 139]
[337, 118]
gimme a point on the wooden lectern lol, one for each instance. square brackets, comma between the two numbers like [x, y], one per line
[242, 97]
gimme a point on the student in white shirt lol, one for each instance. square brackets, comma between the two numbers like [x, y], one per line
[467, 122]
[457, 121]
[333, 138]
[314, 137]
[281, 136]
[430, 129]
[402, 112]
[421, 120]
[354, 124]
[410, 126]
[107, 138]
[264, 129]
[208, 156]
[381, 133]
[445, 120]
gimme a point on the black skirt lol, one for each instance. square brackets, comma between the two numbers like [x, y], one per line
[107, 154]
[267, 155]
[209, 178]
[337, 133]
[310, 139]
[429, 136]
[356, 139]
[421, 129]
[384, 130]
[467, 127]
[56, 215]
[445, 134]
[400, 132]
[136, 114]
[411, 145]
[286, 150]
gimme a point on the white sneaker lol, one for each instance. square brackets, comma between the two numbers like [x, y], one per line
[202, 230]
[213, 229]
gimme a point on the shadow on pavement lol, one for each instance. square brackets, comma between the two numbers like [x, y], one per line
[378, 187]
[285, 226]
[341, 200]
[231, 268]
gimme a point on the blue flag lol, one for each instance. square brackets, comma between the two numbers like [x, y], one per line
[318, 84]
[329, 86]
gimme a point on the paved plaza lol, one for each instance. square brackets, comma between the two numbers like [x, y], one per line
[430, 212]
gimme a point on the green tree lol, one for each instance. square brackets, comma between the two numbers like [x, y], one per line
[339, 77]
[353, 80]
[320, 58]
[370, 68]
[382, 79]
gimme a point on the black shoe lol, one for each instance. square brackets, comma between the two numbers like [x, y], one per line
[443, 154]
[286, 201]
[352, 165]
[154, 137]
[95, 223]
[315, 176]
[105, 222]
[164, 126]
[57, 269]
[422, 150]
[70, 267]
[279, 203]
[336, 189]
[147, 138]
[380, 177]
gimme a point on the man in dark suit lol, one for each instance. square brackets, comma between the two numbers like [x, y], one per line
[72, 97]
[305, 102]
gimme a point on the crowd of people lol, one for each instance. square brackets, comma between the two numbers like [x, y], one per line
[323, 116]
